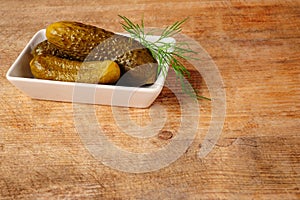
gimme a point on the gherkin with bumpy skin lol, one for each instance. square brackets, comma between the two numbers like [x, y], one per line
[47, 48]
[54, 68]
[76, 38]
[92, 43]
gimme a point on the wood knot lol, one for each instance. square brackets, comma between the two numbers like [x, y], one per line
[1, 147]
[165, 135]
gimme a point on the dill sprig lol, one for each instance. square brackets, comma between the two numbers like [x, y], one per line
[160, 50]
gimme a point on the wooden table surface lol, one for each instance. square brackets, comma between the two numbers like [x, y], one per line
[255, 46]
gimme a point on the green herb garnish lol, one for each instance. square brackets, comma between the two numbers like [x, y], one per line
[160, 50]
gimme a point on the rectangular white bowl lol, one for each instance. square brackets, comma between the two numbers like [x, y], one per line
[19, 74]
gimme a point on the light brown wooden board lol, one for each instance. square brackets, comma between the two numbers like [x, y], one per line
[256, 47]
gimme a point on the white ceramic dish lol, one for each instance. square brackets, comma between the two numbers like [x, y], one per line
[19, 74]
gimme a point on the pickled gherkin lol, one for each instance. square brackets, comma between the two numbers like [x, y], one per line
[76, 38]
[47, 48]
[89, 43]
[54, 68]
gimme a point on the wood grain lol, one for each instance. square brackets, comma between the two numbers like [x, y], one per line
[256, 46]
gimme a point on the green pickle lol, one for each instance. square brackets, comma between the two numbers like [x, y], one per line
[77, 41]
[75, 37]
[45, 47]
[54, 68]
